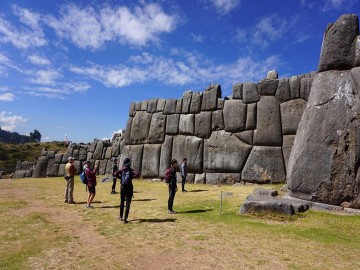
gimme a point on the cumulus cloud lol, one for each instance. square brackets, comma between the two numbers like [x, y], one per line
[7, 97]
[6, 62]
[225, 6]
[38, 60]
[9, 122]
[45, 77]
[90, 28]
[58, 91]
[181, 68]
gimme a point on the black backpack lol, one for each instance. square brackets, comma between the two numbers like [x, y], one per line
[126, 177]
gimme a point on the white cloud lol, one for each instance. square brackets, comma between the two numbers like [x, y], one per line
[38, 60]
[59, 90]
[28, 35]
[333, 4]
[307, 3]
[197, 38]
[225, 6]
[9, 122]
[5, 61]
[90, 28]
[45, 77]
[7, 97]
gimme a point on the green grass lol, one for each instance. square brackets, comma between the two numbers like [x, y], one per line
[39, 231]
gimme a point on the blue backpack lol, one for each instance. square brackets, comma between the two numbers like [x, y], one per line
[126, 177]
[83, 178]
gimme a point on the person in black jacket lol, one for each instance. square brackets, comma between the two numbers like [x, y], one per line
[126, 174]
[172, 186]
[115, 168]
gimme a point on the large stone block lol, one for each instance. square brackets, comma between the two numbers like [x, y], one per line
[200, 178]
[92, 146]
[250, 93]
[138, 106]
[172, 124]
[305, 86]
[51, 154]
[52, 168]
[41, 167]
[234, 115]
[115, 149]
[217, 120]
[288, 142]
[165, 156]
[61, 170]
[323, 164]
[338, 47]
[102, 166]
[222, 178]
[134, 153]
[264, 165]
[157, 128]
[267, 87]
[140, 127]
[251, 116]
[210, 97]
[246, 136]
[127, 134]
[203, 124]
[357, 52]
[186, 101]
[220, 104]
[186, 124]
[160, 105]
[283, 90]
[132, 109]
[268, 131]
[108, 153]
[190, 147]
[237, 91]
[58, 158]
[170, 106]
[291, 112]
[179, 106]
[225, 152]
[98, 150]
[195, 105]
[151, 160]
[67, 154]
[152, 105]
[294, 87]
[144, 105]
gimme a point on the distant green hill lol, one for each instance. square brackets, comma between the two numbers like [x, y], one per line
[10, 154]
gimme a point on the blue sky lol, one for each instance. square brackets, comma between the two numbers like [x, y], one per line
[73, 67]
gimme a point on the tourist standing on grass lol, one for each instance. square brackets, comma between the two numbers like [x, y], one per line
[70, 171]
[126, 174]
[183, 172]
[115, 168]
[172, 186]
[91, 183]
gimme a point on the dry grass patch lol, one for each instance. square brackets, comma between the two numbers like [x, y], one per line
[42, 232]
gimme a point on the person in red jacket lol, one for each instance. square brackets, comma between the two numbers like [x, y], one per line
[91, 183]
[126, 174]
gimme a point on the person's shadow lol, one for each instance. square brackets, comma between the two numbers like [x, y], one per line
[155, 220]
[195, 211]
[198, 190]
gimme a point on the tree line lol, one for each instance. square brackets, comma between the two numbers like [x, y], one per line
[16, 138]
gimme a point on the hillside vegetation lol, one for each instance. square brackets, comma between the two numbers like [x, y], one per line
[10, 154]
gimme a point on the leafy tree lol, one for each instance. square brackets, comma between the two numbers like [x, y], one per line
[35, 136]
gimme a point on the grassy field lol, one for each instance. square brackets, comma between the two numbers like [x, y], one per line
[39, 231]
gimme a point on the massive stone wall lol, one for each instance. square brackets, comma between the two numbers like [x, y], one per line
[247, 136]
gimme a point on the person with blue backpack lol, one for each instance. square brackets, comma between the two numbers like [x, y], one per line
[126, 174]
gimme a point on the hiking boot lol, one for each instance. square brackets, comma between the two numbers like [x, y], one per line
[171, 212]
[121, 219]
[184, 190]
[90, 206]
[65, 201]
[125, 221]
[113, 192]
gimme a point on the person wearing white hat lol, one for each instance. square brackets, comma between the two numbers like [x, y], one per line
[70, 171]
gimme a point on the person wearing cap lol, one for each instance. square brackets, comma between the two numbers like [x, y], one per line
[70, 171]
[115, 168]
[172, 185]
[91, 183]
[126, 174]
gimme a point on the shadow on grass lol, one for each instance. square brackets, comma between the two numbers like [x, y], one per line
[109, 206]
[156, 220]
[195, 211]
[198, 190]
[143, 200]
[86, 202]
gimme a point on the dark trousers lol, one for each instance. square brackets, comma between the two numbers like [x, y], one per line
[125, 195]
[183, 181]
[114, 183]
[172, 192]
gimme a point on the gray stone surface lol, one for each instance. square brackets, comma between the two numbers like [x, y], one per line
[98, 150]
[140, 127]
[210, 97]
[222, 178]
[165, 156]
[152, 105]
[102, 166]
[19, 174]
[151, 160]
[265, 192]
[51, 154]
[195, 104]
[250, 93]
[190, 147]
[251, 116]
[283, 90]
[266, 204]
[127, 134]
[75, 154]
[108, 153]
[338, 47]
[92, 146]
[172, 124]
[41, 167]
[234, 115]
[267, 87]
[305, 87]
[326, 148]
[225, 152]
[203, 124]
[221, 103]
[115, 149]
[186, 101]
[160, 105]
[217, 120]
[144, 105]
[132, 109]
[108, 169]
[52, 168]
[134, 153]
[200, 178]
[179, 106]
[58, 158]
[268, 121]
[246, 136]
[157, 128]
[357, 52]
[291, 112]
[138, 106]
[170, 106]
[264, 165]
[186, 124]
[237, 91]
[294, 87]
[288, 142]
[61, 170]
